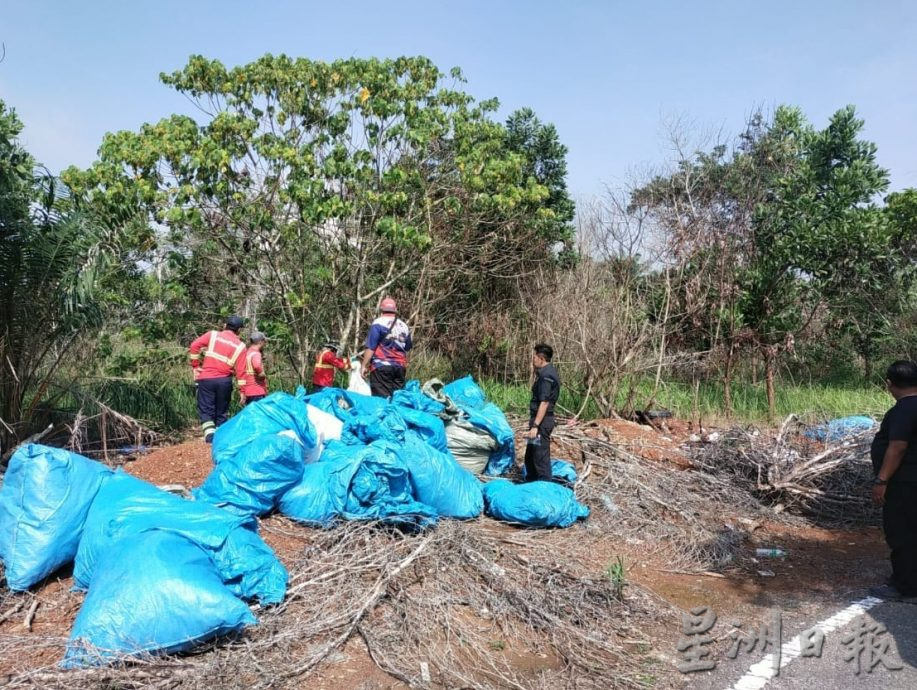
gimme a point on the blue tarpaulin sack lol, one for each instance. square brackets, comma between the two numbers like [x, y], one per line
[311, 500]
[127, 507]
[560, 469]
[356, 483]
[533, 504]
[439, 481]
[422, 414]
[158, 593]
[333, 401]
[252, 479]
[839, 429]
[428, 426]
[277, 412]
[44, 501]
[465, 392]
[381, 423]
[412, 396]
[469, 397]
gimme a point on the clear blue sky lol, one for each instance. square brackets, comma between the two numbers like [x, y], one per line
[606, 73]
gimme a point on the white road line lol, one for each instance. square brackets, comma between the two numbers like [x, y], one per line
[763, 671]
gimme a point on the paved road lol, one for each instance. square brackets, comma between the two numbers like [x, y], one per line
[831, 670]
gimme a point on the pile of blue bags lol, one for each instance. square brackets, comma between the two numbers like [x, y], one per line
[163, 574]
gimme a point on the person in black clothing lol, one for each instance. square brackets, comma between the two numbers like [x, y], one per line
[545, 392]
[894, 460]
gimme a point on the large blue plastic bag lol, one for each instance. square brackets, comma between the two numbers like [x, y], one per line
[256, 475]
[356, 483]
[840, 429]
[44, 501]
[560, 469]
[381, 423]
[413, 397]
[277, 412]
[127, 507]
[533, 504]
[438, 480]
[157, 593]
[430, 427]
[312, 501]
[469, 397]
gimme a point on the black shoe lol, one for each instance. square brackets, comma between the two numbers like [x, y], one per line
[887, 592]
[208, 438]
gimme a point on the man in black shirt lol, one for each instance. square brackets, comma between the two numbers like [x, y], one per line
[545, 392]
[894, 460]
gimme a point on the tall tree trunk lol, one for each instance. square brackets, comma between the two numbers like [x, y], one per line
[727, 380]
[770, 365]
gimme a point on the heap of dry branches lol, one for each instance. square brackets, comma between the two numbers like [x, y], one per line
[827, 481]
[467, 604]
[472, 605]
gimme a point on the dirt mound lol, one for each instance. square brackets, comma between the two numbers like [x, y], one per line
[640, 440]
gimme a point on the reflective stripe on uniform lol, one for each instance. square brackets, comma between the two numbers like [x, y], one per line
[240, 382]
[228, 361]
[208, 425]
[320, 365]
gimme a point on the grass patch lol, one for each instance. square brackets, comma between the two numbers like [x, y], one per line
[815, 401]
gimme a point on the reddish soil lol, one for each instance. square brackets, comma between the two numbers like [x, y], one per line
[187, 463]
[640, 440]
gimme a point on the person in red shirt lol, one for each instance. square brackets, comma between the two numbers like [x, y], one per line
[215, 357]
[325, 364]
[254, 386]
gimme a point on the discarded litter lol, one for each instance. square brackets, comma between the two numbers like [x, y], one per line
[134, 606]
[766, 573]
[770, 553]
[840, 429]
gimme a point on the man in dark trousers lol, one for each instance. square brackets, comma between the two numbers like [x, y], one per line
[215, 357]
[894, 460]
[385, 357]
[545, 392]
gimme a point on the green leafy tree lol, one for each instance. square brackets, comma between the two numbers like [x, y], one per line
[310, 189]
[871, 303]
[782, 224]
[54, 265]
[546, 162]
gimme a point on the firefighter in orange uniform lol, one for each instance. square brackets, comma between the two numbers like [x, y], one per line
[325, 364]
[215, 357]
[254, 387]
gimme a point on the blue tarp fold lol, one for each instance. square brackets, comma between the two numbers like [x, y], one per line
[439, 481]
[256, 475]
[356, 483]
[277, 412]
[840, 429]
[128, 508]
